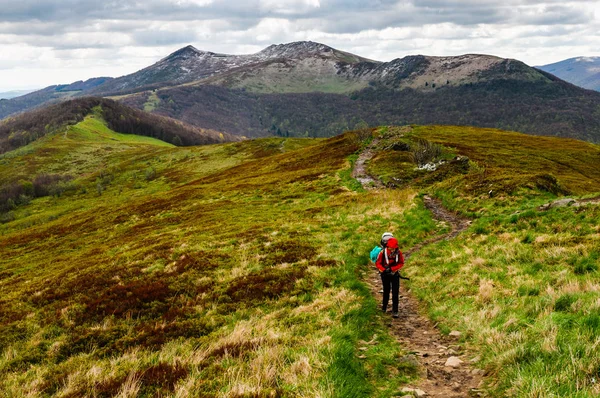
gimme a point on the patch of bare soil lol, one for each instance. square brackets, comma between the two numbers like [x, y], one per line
[446, 369]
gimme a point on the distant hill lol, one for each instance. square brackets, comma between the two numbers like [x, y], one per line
[28, 127]
[309, 89]
[581, 71]
[47, 95]
[14, 93]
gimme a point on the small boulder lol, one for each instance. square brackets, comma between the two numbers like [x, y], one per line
[562, 203]
[414, 391]
[453, 362]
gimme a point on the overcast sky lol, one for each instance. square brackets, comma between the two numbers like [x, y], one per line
[45, 42]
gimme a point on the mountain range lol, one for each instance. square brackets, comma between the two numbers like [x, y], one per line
[581, 71]
[310, 89]
[14, 93]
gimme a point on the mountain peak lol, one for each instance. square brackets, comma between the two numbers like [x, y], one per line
[297, 48]
[185, 52]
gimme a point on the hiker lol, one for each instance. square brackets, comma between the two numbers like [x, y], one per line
[389, 262]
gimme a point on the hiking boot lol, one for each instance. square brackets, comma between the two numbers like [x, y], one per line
[384, 310]
[395, 315]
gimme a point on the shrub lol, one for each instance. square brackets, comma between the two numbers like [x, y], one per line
[423, 152]
[563, 303]
[150, 174]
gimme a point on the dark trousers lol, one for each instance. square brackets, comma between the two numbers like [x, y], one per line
[390, 281]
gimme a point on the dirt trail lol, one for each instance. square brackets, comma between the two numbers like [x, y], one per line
[360, 168]
[415, 332]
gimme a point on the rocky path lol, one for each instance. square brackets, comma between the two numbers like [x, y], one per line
[446, 370]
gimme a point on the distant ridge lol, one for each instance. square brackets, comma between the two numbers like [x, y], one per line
[581, 71]
[48, 95]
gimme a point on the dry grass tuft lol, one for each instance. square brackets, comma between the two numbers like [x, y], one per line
[486, 290]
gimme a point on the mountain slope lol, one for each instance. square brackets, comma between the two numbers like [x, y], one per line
[190, 64]
[25, 128]
[581, 71]
[235, 269]
[320, 74]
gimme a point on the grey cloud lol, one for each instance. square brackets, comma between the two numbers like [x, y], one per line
[163, 38]
[336, 15]
[25, 28]
[46, 18]
[556, 15]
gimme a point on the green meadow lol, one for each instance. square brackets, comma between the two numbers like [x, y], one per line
[236, 270]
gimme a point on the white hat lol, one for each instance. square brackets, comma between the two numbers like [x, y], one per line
[386, 236]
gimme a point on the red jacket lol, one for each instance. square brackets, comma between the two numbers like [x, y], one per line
[386, 260]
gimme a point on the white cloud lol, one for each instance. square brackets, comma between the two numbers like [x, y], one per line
[55, 41]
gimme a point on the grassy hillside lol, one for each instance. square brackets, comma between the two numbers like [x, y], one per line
[230, 271]
[28, 127]
[235, 270]
[521, 284]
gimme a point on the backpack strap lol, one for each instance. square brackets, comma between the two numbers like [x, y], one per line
[387, 259]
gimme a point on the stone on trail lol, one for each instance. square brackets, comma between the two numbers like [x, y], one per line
[455, 333]
[414, 391]
[562, 203]
[453, 362]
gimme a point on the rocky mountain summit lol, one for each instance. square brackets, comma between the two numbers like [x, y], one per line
[189, 64]
[307, 66]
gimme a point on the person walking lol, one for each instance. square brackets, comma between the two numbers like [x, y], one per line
[389, 262]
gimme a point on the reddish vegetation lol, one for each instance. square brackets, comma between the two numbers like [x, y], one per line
[131, 298]
[265, 284]
[323, 263]
[232, 349]
[163, 376]
[289, 252]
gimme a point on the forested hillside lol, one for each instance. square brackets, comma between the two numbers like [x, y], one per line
[540, 108]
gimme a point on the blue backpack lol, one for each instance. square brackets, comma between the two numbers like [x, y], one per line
[375, 253]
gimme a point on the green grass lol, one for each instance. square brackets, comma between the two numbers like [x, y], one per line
[231, 271]
[236, 269]
[521, 283]
[152, 102]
